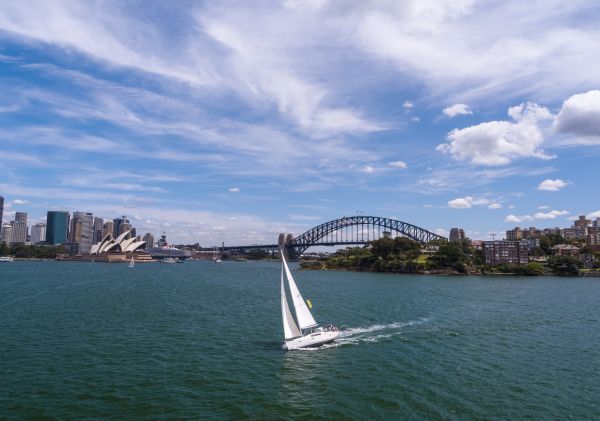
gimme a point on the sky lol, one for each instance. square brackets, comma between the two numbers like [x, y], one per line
[234, 121]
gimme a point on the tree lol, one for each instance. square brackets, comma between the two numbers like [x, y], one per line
[564, 265]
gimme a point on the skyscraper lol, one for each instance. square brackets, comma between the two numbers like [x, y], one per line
[1, 212]
[38, 233]
[149, 239]
[19, 232]
[456, 234]
[57, 223]
[6, 236]
[82, 231]
[98, 223]
[21, 217]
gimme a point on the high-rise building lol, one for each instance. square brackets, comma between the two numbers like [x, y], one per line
[19, 232]
[1, 212]
[456, 234]
[6, 236]
[38, 233]
[109, 228]
[57, 223]
[98, 225]
[117, 225]
[21, 217]
[149, 239]
[82, 231]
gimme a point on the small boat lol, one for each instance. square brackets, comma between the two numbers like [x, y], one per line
[307, 332]
[169, 260]
[6, 259]
[218, 261]
[132, 263]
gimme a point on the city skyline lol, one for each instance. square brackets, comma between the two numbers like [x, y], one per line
[229, 122]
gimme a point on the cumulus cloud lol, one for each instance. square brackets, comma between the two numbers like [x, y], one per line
[234, 189]
[594, 215]
[552, 185]
[20, 202]
[580, 115]
[367, 169]
[553, 214]
[501, 142]
[461, 203]
[457, 109]
[408, 105]
[469, 201]
[397, 164]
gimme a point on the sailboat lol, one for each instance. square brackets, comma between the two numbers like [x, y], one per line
[132, 263]
[307, 332]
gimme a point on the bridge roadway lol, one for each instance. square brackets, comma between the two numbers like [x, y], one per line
[353, 230]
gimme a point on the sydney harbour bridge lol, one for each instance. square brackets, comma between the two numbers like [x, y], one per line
[348, 230]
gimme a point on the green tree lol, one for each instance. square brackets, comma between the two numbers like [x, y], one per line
[564, 265]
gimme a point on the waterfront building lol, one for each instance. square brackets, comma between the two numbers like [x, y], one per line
[506, 252]
[149, 239]
[565, 250]
[19, 231]
[517, 234]
[38, 233]
[98, 226]
[21, 217]
[456, 234]
[6, 236]
[582, 222]
[592, 240]
[1, 213]
[57, 223]
[82, 232]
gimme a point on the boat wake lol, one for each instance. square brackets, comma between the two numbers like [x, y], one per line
[370, 334]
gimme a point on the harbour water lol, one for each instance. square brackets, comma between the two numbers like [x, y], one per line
[203, 341]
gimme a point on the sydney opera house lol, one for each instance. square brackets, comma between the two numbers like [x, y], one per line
[118, 249]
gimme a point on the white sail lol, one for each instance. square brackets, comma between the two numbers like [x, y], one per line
[305, 319]
[289, 326]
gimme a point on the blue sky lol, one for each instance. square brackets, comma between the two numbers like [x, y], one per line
[234, 121]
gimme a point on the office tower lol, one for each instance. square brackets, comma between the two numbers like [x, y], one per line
[6, 236]
[82, 231]
[108, 228]
[117, 227]
[149, 239]
[38, 233]
[124, 227]
[457, 234]
[19, 232]
[21, 217]
[98, 225]
[57, 223]
[1, 213]
[133, 233]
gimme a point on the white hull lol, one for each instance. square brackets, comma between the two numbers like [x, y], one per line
[311, 340]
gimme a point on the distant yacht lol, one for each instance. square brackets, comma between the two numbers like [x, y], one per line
[132, 263]
[169, 260]
[6, 259]
[218, 261]
[309, 334]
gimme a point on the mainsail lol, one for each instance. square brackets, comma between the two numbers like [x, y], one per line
[305, 319]
[289, 326]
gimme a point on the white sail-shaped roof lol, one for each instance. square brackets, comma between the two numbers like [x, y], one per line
[95, 248]
[121, 237]
[290, 329]
[109, 246]
[136, 245]
[305, 319]
[126, 243]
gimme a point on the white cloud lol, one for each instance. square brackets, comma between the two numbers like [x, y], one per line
[552, 185]
[234, 189]
[500, 142]
[517, 219]
[20, 202]
[461, 203]
[397, 164]
[580, 116]
[594, 214]
[367, 169]
[457, 109]
[408, 104]
[549, 215]
[543, 207]
[495, 206]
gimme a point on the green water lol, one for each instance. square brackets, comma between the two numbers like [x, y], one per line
[203, 341]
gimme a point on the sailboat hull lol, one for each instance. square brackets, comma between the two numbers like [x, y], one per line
[311, 340]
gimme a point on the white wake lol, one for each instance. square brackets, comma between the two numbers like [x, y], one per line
[369, 334]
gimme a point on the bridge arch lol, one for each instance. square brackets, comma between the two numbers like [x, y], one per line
[320, 235]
